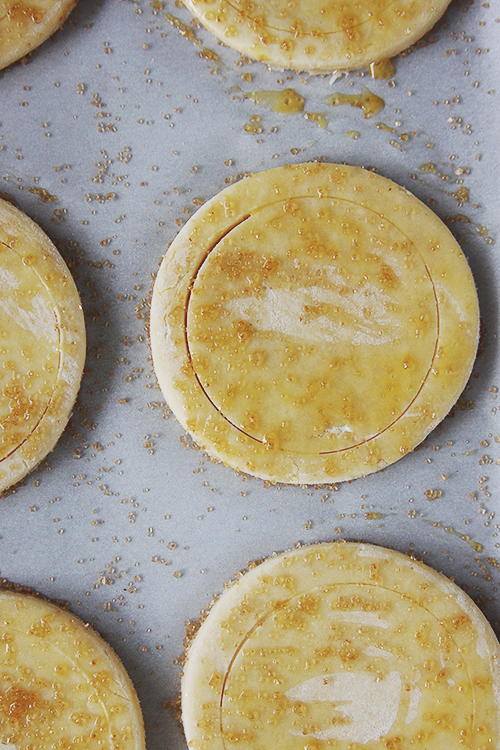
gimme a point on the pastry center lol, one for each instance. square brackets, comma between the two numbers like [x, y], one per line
[312, 325]
[348, 663]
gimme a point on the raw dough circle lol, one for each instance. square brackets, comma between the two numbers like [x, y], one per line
[342, 645]
[310, 35]
[61, 685]
[25, 24]
[313, 323]
[42, 345]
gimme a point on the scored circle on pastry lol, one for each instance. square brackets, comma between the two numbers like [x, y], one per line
[313, 323]
[319, 37]
[42, 345]
[345, 646]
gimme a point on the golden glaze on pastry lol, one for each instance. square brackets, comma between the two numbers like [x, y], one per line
[313, 323]
[42, 345]
[61, 685]
[342, 646]
[310, 35]
[24, 24]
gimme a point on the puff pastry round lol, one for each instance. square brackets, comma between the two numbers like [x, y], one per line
[319, 37]
[42, 345]
[313, 323]
[25, 24]
[61, 685]
[342, 646]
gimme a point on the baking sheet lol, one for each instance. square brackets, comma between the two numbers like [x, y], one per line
[110, 136]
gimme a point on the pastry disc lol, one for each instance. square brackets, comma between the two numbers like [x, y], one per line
[61, 685]
[310, 35]
[345, 646]
[313, 323]
[24, 24]
[42, 345]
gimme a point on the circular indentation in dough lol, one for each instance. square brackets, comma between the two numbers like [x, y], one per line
[285, 307]
[25, 24]
[318, 37]
[61, 685]
[42, 345]
[338, 644]
[305, 328]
